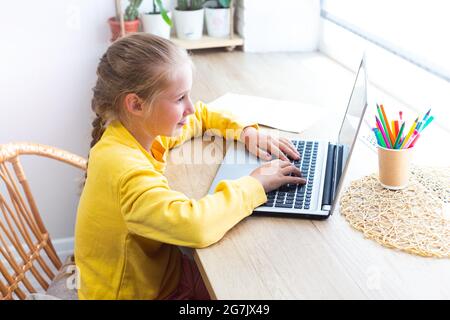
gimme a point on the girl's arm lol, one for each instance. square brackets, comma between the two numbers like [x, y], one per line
[220, 123]
[152, 210]
[227, 125]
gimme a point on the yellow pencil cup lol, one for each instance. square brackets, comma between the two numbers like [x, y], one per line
[394, 167]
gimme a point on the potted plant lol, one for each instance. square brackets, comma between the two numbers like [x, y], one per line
[217, 14]
[157, 21]
[131, 21]
[189, 19]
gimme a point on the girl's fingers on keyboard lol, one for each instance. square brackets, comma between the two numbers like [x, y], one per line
[290, 169]
[273, 149]
[279, 163]
[288, 142]
[287, 149]
[260, 153]
[295, 180]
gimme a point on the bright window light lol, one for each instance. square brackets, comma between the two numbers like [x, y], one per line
[417, 29]
[406, 44]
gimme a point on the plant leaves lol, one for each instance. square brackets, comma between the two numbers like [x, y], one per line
[164, 13]
[224, 3]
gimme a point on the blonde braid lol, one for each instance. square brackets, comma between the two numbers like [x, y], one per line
[98, 127]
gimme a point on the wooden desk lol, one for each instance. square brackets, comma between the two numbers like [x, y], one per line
[286, 258]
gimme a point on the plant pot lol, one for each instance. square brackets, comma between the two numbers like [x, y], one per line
[189, 24]
[218, 22]
[154, 23]
[130, 27]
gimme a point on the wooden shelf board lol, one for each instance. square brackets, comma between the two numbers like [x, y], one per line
[209, 42]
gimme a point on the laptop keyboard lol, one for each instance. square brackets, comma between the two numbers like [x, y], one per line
[297, 196]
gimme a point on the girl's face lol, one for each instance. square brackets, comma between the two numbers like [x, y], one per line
[171, 110]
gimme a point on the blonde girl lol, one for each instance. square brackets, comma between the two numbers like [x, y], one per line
[129, 222]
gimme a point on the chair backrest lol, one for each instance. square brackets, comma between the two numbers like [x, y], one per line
[28, 260]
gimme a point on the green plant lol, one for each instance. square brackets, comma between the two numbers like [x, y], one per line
[224, 3]
[162, 10]
[218, 4]
[131, 12]
[190, 5]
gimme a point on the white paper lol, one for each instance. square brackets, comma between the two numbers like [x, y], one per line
[283, 115]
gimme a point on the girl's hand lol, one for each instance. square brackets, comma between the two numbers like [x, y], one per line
[276, 173]
[264, 146]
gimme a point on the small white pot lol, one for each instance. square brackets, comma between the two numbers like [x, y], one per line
[218, 22]
[189, 24]
[154, 23]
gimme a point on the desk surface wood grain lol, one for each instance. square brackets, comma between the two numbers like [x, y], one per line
[286, 258]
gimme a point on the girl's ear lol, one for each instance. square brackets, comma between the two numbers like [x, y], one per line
[133, 104]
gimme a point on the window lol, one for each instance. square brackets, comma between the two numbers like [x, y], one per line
[406, 43]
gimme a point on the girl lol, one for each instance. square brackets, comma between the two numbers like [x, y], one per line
[129, 221]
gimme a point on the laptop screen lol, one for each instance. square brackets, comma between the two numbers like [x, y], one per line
[355, 108]
[351, 123]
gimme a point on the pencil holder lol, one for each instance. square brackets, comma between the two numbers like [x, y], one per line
[393, 167]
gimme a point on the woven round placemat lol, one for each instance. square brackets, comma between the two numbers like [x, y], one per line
[415, 219]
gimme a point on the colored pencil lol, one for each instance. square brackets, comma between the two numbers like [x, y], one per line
[399, 135]
[376, 135]
[415, 140]
[380, 127]
[383, 125]
[411, 131]
[413, 137]
[389, 131]
[425, 117]
[395, 128]
[426, 123]
[379, 137]
[418, 125]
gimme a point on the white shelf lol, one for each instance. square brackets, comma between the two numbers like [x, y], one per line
[209, 42]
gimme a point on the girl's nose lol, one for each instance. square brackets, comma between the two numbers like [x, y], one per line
[189, 107]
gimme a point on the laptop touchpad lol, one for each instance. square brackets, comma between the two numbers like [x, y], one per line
[238, 162]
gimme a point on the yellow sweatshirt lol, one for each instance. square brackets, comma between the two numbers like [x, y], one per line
[129, 222]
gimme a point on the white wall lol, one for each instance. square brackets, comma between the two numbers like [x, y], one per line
[48, 57]
[284, 25]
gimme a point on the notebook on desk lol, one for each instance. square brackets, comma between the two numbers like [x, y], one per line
[322, 163]
[258, 109]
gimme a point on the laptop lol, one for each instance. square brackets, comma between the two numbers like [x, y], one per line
[323, 164]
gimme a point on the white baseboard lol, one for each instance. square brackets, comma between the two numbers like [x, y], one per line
[64, 247]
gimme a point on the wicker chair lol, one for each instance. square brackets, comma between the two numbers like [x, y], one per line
[28, 260]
